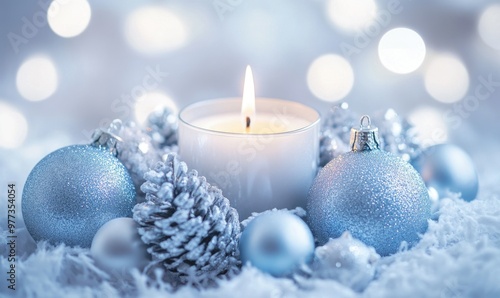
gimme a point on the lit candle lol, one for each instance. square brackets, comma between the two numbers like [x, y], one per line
[262, 152]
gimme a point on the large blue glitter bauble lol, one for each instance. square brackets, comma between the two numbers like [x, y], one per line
[73, 191]
[277, 242]
[379, 198]
[446, 167]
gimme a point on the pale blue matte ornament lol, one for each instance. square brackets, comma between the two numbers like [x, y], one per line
[447, 168]
[73, 191]
[376, 196]
[117, 246]
[277, 243]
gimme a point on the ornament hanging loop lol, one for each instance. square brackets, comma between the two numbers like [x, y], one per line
[365, 138]
[365, 121]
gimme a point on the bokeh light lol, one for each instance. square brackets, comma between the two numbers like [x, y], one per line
[446, 78]
[13, 126]
[151, 102]
[69, 18]
[351, 14]
[37, 78]
[489, 26]
[153, 30]
[401, 50]
[330, 77]
[430, 125]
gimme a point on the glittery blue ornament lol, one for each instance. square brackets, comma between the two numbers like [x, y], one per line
[73, 191]
[446, 167]
[376, 196]
[277, 243]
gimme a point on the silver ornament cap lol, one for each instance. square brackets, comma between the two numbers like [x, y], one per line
[365, 138]
[108, 138]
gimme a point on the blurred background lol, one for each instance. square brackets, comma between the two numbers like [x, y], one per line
[70, 66]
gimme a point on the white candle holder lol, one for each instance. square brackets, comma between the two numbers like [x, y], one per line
[271, 168]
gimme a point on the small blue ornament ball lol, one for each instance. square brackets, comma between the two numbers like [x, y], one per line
[117, 245]
[277, 243]
[376, 196]
[73, 191]
[446, 167]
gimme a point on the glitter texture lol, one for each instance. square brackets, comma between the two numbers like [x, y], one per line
[72, 192]
[379, 198]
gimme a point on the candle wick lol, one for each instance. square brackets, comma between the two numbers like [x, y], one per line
[248, 123]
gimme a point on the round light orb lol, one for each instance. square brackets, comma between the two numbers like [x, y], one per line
[13, 126]
[154, 30]
[37, 78]
[351, 14]
[150, 102]
[489, 24]
[430, 125]
[401, 50]
[446, 78]
[330, 77]
[69, 18]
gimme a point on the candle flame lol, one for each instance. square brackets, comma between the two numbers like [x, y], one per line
[248, 104]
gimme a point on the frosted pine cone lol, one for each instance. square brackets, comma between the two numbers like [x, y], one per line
[336, 132]
[397, 135]
[187, 223]
[162, 127]
[136, 152]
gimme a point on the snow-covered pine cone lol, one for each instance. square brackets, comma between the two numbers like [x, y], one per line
[336, 132]
[397, 135]
[136, 152]
[162, 127]
[187, 224]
